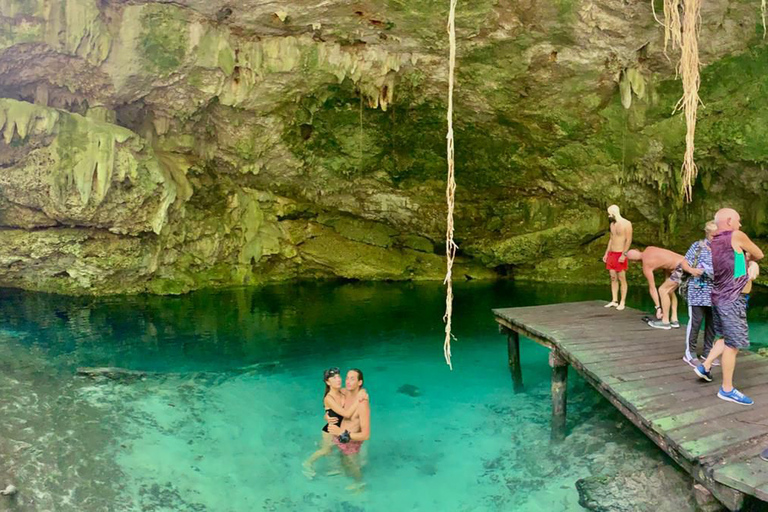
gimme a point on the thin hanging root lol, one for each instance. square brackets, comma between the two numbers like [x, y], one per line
[763, 9]
[672, 24]
[689, 103]
[450, 190]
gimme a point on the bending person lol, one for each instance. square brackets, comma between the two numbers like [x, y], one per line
[673, 265]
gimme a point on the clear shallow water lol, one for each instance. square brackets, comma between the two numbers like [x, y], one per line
[231, 404]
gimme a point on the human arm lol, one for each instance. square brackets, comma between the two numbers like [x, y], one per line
[346, 412]
[753, 270]
[705, 262]
[627, 242]
[742, 241]
[608, 248]
[364, 417]
[648, 273]
[693, 271]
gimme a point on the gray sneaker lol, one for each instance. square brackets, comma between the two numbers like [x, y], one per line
[658, 324]
[694, 361]
[674, 325]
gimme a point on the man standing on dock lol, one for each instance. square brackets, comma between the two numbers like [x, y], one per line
[734, 260]
[615, 257]
[673, 265]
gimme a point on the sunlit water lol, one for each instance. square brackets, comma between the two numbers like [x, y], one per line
[231, 402]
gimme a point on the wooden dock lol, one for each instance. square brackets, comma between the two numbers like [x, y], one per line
[641, 372]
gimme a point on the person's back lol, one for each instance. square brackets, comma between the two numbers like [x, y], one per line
[730, 270]
[657, 258]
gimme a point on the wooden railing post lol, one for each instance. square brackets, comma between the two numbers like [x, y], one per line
[559, 395]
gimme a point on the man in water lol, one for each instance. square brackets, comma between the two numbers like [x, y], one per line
[353, 431]
[734, 260]
[615, 257]
[673, 265]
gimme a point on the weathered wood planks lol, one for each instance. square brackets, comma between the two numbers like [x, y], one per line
[641, 372]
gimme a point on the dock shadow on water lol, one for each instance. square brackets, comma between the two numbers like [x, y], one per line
[212, 401]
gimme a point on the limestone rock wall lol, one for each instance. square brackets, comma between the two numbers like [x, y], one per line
[163, 147]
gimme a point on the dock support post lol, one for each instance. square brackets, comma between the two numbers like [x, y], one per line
[513, 348]
[559, 395]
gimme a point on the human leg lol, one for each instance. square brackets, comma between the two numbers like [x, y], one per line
[673, 306]
[733, 318]
[729, 366]
[614, 287]
[326, 445]
[709, 331]
[666, 301]
[695, 316]
[623, 283]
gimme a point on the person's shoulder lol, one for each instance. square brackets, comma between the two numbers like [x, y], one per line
[739, 235]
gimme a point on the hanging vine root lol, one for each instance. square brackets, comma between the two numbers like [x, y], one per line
[689, 103]
[683, 32]
[450, 190]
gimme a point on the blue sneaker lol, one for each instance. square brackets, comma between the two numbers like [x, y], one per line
[764, 455]
[703, 373]
[735, 396]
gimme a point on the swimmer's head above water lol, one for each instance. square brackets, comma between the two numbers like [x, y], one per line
[354, 379]
[332, 379]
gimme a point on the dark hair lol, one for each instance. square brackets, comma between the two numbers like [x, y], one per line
[327, 374]
[359, 375]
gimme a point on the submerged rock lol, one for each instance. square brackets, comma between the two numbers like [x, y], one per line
[661, 490]
[410, 390]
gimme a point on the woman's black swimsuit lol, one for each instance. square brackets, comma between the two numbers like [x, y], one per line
[333, 414]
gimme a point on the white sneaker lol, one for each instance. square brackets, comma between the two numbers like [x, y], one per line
[716, 362]
[611, 305]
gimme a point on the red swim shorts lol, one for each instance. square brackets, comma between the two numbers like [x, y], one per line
[612, 262]
[349, 448]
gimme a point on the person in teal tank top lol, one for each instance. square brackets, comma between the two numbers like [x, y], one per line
[734, 262]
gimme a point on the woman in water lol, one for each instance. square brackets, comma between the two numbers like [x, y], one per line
[333, 402]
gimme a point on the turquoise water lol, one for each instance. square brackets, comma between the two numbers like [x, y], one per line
[231, 402]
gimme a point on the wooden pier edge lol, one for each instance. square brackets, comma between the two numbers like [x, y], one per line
[559, 360]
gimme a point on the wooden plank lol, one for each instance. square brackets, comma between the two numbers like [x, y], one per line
[750, 476]
[629, 356]
[679, 392]
[708, 437]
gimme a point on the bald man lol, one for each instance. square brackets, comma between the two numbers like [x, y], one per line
[615, 257]
[673, 265]
[734, 258]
